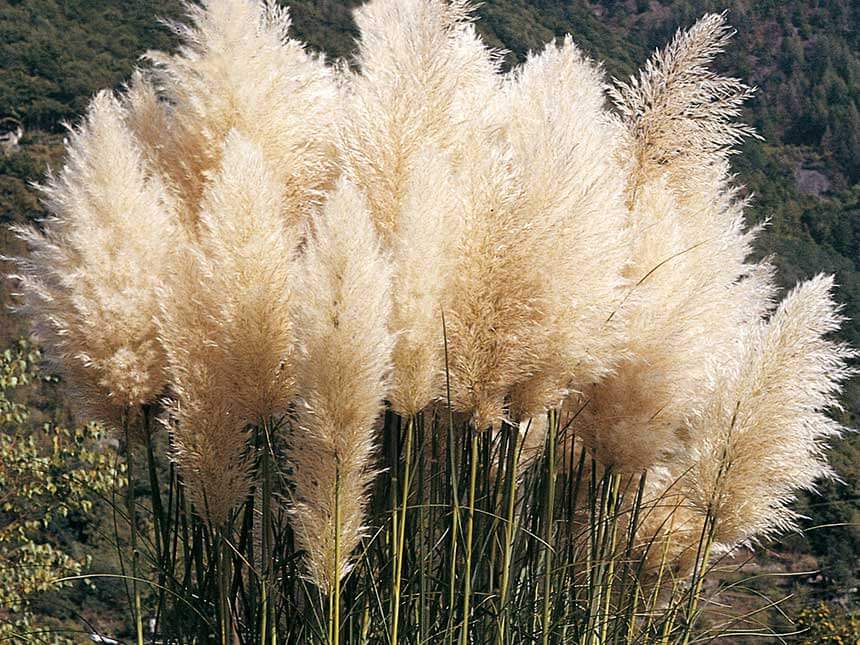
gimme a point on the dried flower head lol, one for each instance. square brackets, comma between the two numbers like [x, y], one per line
[678, 112]
[406, 117]
[238, 69]
[763, 435]
[90, 282]
[692, 291]
[226, 324]
[526, 321]
[342, 372]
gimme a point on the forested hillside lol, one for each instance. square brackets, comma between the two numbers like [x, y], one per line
[803, 176]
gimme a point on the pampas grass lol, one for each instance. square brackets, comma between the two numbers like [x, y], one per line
[229, 335]
[767, 411]
[443, 354]
[90, 282]
[343, 373]
[237, 68]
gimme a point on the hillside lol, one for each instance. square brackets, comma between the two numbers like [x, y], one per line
[804, 177]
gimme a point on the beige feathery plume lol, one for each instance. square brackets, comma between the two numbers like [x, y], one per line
[542, 200]
[563, 145]
[91, 278]
[678, 112]
[209, 440]
[758, 440]
[496, 295]
[421, 68]
[226, 325]
[148, 117]
[763, 435]
[423, 252]
[691, 296]
[249, 251]
[692, 292]
[342, 322]
[407, 111]
[238, 69]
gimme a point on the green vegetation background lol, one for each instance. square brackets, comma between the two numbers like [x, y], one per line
[804, 56]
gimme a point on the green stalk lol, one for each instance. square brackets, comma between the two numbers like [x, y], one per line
[470, 529]
[401, 528]
[424, 539]
[631, 598]
[455, 515]
[160, 524]
[264, 613]
[267, 622]
[130, 505]
[614, 501]
[703, 556]
[223, 575]
[507, 555]
[546, 626]
[365, 624]
[655, 594]
[599, 532]
[455, 523]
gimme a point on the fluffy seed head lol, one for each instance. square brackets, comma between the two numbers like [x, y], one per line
[763, 435]
[90, 282]
[526, 323]
[342, 372]
[678, 112]
[226, 324]
[423, 252]
[238, 69]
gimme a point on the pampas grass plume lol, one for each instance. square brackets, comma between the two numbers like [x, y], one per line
[258, 240]
[763, 436]
[90, 283]
[679, 113]
[342, 372]
[227, 326]
[691, 290]
[237, 68]
[423, 252]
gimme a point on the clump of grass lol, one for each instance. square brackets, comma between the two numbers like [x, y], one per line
[443, 355]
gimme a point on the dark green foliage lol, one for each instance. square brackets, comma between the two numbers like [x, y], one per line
[326, 25]
[56, 53]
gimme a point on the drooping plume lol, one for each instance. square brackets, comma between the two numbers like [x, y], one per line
[691, 295]
[227, 325]
[342, 372]
[758, 439]
[90, 282]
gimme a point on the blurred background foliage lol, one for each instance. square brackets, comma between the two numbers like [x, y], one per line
[803, 179]
[54, 482]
